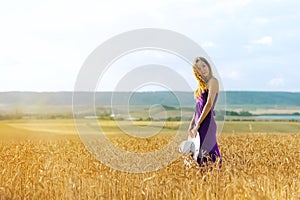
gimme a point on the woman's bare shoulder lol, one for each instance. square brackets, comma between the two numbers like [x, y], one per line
[213, 83]
[213, 80]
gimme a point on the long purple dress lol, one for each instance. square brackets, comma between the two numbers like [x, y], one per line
[208, 128]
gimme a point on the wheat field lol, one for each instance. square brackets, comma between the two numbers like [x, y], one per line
[45, 159]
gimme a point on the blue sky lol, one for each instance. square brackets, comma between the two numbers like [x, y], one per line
[254, 44]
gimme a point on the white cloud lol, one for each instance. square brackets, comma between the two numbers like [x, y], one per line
[261, 20]
[264, 41]
[231, 74]
[267, 40]
[209, 9]
[234, 75]
[208, 44]
[276, 82]
[249, 48]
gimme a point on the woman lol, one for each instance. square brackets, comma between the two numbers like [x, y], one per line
[203, 122]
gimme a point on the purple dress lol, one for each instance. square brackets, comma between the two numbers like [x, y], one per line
[208, 128]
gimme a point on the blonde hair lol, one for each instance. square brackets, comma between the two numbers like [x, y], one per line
[202, 85]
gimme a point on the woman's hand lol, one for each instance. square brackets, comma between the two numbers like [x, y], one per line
[190, 131]
[191, 134]
[194, 131]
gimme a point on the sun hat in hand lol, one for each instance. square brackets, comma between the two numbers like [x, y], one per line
[191, 145]
[187, 146]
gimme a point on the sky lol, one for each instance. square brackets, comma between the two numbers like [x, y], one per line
[253, 44]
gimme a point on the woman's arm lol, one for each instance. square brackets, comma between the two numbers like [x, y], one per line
[190, 133]
[213, 88]
[192, 122]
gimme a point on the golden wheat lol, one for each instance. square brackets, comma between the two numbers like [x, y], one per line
[255, 166]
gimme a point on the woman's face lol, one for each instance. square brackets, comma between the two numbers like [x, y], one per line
[203, 68]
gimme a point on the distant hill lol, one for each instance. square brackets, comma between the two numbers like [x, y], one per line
[263, 98]
[234, 99]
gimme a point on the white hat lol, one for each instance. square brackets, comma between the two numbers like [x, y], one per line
[187, 147]
[190, 145]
